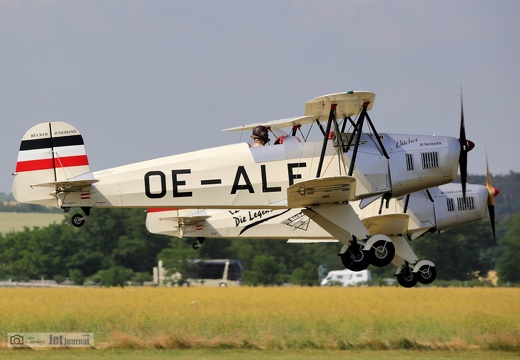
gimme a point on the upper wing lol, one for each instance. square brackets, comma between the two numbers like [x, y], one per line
[288, 122]
[347, 104]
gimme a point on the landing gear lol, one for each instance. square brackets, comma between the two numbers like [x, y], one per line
[406, 278]
[423, 271]
[378, 250]
[355, 258]
[78, 220]
[411, 270]
[198, 243]
[381, 253]
[426, 274]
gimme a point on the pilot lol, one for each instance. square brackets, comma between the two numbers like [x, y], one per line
[260, 135]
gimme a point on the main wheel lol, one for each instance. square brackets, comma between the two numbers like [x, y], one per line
[77, 220]
[426, 274]
[355, 261]
[407, 279]
[382, 253]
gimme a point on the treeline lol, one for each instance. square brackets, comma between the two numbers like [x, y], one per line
[507, 203]
[114, 247]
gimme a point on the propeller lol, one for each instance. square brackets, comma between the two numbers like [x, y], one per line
[465, 147]
[492, 192]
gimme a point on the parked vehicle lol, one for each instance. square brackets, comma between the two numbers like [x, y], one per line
[222, 272]
[346, 278]
[217, 272]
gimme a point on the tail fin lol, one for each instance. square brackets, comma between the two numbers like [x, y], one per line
[50, 153]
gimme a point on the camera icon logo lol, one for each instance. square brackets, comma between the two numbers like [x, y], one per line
[16, 340]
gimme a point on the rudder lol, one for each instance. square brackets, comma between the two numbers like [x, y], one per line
[49, 153]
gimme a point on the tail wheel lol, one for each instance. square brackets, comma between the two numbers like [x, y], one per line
[355, 260]
[407, 279]
[426, 274]
[382, 253]
[198, 243]
[78, 220]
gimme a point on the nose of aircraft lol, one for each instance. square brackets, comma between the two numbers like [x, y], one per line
[471, 145]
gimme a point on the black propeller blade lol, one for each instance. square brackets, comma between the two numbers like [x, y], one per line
[465, 147]
[492, 192]
[463, 159]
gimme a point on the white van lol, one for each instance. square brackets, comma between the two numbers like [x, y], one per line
[346, 277]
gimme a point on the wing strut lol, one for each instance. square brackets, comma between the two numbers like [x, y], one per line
[332, 116]
[358, 128]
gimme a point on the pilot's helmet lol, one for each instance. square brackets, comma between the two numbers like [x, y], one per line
[261, 132]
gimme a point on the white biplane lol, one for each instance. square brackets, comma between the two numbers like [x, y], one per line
[403, 220]
[323, 177]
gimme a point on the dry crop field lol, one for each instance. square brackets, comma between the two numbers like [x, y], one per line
[12, 221]
[270, 319]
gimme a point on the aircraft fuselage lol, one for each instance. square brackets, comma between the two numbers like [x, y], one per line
[240, 176]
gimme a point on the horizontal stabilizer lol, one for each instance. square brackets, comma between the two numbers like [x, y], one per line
[325, 190]
[69, 185]
[171, 214]
[187, 220]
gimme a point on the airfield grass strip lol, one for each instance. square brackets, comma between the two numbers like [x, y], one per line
[180, 342]
[296, 318]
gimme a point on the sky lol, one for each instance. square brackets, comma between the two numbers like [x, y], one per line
[145, 79]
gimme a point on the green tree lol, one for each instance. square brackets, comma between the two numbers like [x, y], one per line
[176, 257]
[115, 276]
[117, 237]
[508, 265]
[76, 276]
[459, 254]
[306, 275]
[265, 270]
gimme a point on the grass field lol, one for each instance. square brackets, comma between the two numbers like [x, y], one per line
[213, 354]
[12, 221]
[265, 320]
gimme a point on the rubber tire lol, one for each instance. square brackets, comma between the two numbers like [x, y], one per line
[77, 220]
[408, 281]
[430, 276]
[379, 259]
[356, 262]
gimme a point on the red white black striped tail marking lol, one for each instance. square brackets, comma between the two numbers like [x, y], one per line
[49, 153]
